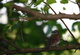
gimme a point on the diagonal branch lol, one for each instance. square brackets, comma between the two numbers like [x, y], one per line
[46, 16]
[64, 24]
[72, 2]
[70, 32]
[37, 50]
[4, 39]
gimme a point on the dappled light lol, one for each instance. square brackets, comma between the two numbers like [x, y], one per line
[39, 27]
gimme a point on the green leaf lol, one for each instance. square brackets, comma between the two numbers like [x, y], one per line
[5, 29]
[45, 9]
[38, 2]
[8, 4]
[14, 14]
[1, 5]
[34, 1]
[76, 0]
[24, 1]
[79, 26]
[16, 1]
[76, 23]
[51, 1]
[15, 26]
[64, 8]
[73, 29]
[64, 1]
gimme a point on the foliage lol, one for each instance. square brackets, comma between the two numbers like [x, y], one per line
[32, 33]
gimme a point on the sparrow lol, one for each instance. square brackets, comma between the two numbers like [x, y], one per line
[54, 39]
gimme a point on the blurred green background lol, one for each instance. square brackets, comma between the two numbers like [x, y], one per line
[34, 33]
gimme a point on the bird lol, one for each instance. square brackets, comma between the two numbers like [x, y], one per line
[54, 39]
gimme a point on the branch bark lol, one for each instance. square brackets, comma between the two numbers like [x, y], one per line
[9, 42]
[46, 16]
[63, 23]
[37, 50]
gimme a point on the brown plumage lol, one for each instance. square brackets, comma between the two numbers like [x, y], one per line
[54, 39]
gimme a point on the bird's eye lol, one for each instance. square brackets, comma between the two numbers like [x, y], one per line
[55, 32]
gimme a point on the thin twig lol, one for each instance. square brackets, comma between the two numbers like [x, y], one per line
[49, 6]
[21, 32]
[65, 41]
[69, 31]
[72, 2]
[63, 23]
[78, 3]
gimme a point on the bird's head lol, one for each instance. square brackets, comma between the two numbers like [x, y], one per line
[55, 32]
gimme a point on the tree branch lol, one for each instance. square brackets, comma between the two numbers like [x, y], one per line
[9, 42]
[37, 50]
[70, 33]
[64, 24]
[46, 16]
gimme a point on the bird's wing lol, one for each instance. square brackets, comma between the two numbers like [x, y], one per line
[54, 38]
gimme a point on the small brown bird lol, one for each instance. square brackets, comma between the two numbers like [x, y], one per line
[54, 39]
